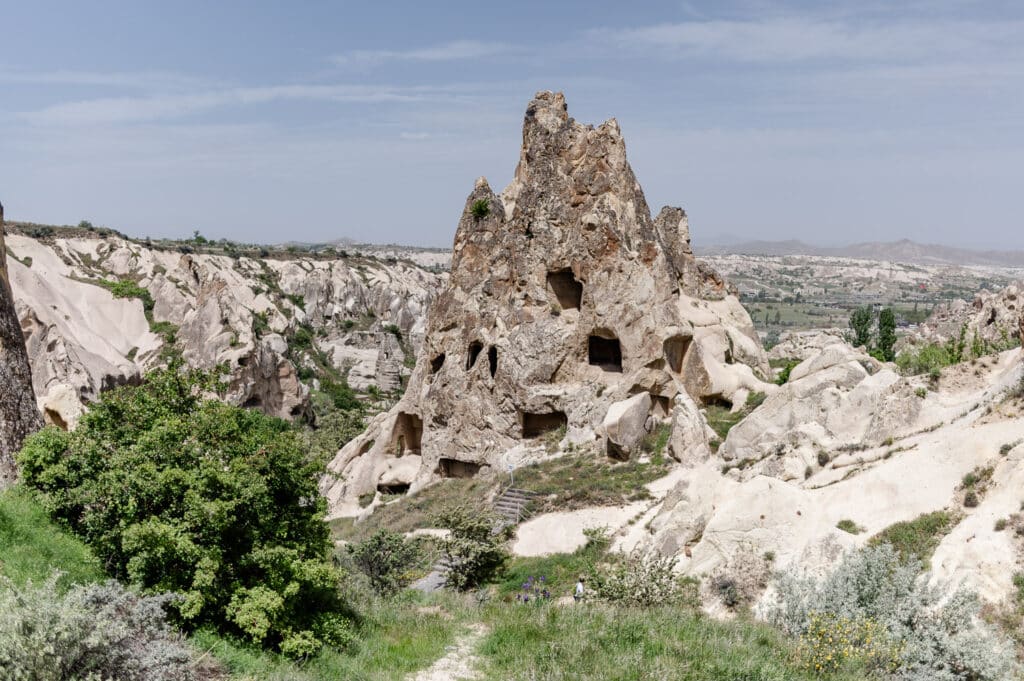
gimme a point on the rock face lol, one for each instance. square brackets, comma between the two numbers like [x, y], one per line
[18, 414]
[564, 298]
[992, 317]
[264, 318]
[804, 344]
[838, 399]
[848, 442]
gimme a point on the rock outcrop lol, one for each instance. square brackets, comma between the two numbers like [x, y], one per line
[564, 297]
[265, 319]
[19, 416]
[839, 399]
[992, 317]
[847, 445]
[804, 344]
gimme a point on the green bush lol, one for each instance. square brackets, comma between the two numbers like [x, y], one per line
[90, 633]
[642, 581]
[480, 209]
[474, 551]
[928, 359]
[388, 559]
[176, 493]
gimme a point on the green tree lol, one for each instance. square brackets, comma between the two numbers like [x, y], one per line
[887, 334]
[861, 321]
[179, 493]
[474, 550]
[388, 559]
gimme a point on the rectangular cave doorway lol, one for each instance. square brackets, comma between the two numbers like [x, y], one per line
[536, 425]
[453, 468]
[407, 434]
[568, 291]
[604, 350]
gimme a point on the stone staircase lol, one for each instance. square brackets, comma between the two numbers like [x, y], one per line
[512, 507]
[513, 504]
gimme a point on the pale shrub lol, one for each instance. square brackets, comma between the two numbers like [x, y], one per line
[92, 633]
[935, 641]
[641, 580]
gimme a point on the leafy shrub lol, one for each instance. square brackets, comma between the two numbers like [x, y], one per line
[971, 499]
[932, 640]
[480, 209]
[823, 458]
[220, 504]
[783, 377]
[831, 642]
[388, 559]
[639, 580]
[475, 549]
[928, 359]
[91, 633]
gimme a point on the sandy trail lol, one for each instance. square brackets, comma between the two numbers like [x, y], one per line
[459, 663]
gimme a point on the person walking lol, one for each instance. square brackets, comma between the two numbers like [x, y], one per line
[578, 593]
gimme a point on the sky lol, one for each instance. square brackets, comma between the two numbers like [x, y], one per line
[268, 122]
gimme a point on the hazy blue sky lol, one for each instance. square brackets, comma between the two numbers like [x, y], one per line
[830, 122]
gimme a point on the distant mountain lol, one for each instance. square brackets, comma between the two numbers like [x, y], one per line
[899, 251]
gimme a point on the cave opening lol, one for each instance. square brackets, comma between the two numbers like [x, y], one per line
[568, 291]
[408, 433]
[535, 425]
[437, 363]
[675, 349]
[393, 488]
[605, 352]
[453, 468]
[475, 348]
[492, 360]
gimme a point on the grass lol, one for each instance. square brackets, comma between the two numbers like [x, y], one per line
[576, 481]
[560, 571]
[918, 537]
[848, 526]
[591, 641]
[32, 546]
[395, 638]
[721, 418]
[410, 513]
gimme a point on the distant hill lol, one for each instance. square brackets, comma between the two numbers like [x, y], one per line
[900, 251]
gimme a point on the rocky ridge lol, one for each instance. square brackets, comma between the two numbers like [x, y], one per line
[569, 314]
[270, 321]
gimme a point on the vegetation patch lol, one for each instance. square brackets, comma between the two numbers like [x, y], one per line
[176, 493]
[579, 480]
[917, 539]
[847, 525]
[32, 547]
[408, 513]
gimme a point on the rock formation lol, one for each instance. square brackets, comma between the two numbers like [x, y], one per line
[245, 312]
[992, 317]
[18, 414]
[565, 297]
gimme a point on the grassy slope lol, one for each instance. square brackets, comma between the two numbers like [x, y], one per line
[32, 546]
[402, 635]
[590, 641]
[397, 637]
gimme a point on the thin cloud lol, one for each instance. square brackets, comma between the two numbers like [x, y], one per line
[802, 39]
[114, 110]
[450, 51]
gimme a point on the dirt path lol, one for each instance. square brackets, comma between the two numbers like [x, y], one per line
[459, 663]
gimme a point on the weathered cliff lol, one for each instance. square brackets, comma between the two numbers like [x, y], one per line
[565, 297]
[18, 414]
[268, 320]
